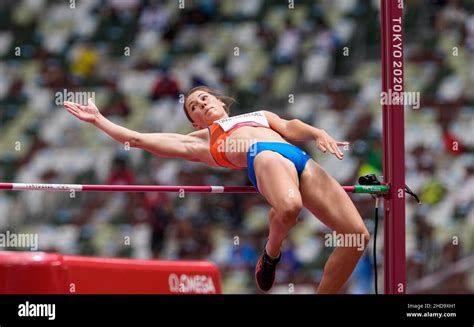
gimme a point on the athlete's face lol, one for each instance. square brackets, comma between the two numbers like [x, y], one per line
[204, 108]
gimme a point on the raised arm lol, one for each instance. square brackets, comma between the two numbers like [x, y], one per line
[296, 130]
[189, 147]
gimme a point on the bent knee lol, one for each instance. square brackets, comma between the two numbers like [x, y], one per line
[289, 210]
[363, 235]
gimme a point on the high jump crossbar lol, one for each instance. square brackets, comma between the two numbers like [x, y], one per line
[373, 189]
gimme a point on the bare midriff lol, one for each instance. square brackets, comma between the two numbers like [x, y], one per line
[238, 143]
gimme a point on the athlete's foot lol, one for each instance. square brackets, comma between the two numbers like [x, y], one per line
[265, 271]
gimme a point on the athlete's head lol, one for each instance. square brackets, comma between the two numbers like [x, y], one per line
[204, 105]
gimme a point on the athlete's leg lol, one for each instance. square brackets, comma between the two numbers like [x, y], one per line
[328, 201]
[277, 181]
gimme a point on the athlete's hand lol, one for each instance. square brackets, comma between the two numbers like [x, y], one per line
[327, 143]
[88, 113]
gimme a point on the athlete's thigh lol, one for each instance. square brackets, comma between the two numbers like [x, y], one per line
[328, 201]
[277, 178]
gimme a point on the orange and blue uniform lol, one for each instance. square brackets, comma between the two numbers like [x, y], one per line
[221, 129]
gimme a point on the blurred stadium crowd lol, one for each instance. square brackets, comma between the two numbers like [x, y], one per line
[318, 61]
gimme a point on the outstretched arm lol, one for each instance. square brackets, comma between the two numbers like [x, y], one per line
[163, 144]
[296, 130]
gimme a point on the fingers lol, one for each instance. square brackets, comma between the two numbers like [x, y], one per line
[91, 105]
[321, 147]
[75, 105]
[345, 144]
[73, 112]
[338, 151]
[69, 103]
[328, 144]
[332, 147]
[335, 150]
[70, 107]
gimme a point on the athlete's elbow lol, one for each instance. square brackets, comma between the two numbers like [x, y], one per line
[136, 141]
[294, 124]
[293, 129]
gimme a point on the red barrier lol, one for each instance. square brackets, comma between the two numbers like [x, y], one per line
[48, 273]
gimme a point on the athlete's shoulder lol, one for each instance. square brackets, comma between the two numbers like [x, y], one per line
[271, 116]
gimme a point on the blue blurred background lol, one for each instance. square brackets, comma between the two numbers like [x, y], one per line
[318, 61]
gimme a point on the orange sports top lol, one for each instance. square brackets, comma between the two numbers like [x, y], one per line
[221, 129]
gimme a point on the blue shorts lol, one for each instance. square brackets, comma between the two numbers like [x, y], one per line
[289, 151]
